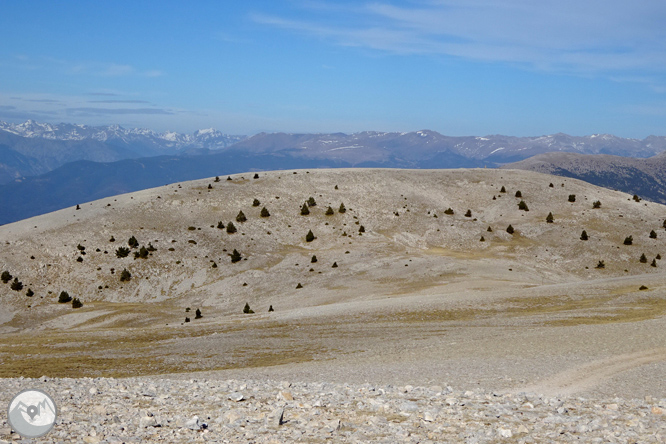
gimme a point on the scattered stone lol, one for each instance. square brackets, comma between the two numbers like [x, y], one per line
[236, 396]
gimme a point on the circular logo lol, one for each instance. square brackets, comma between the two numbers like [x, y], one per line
[32, 413]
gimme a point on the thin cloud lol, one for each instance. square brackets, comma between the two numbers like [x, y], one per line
[118, 101]
[594, 36]
[115, 111]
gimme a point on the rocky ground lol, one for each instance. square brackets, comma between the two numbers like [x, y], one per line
[131, 410]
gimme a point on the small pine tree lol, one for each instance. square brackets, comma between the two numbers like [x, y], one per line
[509, 229]
[664, 224]
[658, 257]
[113, 239]
[503, 190]
[16, 285]
[6, 276]
[549, 218]
[572, 198]
[76, 303]
[79, 259]
[309, 237]
[448, 211]
[197, 314]
[483, 239]
[551, 185]
[214, 265]
[220, 225]
[241, 217]
[142, 253]
[312, 202]
[519, 194]
[335, 265]
[329, 211]
[489, 230]
[122, 252]
[210, 187]
[342, 208]
[231, 228]
[653, 234]
[313, 260]
[468, 213]
[299, 286]
[150, 247]
[256, 203]
[256, 176]
[78, 207]
[361, 229]
[643, 259]
[235, 256]
[228, 177]
[187, 319]
[583, 236]
[523, 206]
[596, 204]
[654, 263]
[247, 309]
[601, 264]
[132, 242]
[64, 297]
[217, 178]
[628, 240]
[636, 198]
[125, 275]
[265, 213]
[80, 247]
[30, 293]
[305, 210]
[270, 309]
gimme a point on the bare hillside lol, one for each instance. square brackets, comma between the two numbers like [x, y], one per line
[394, 261]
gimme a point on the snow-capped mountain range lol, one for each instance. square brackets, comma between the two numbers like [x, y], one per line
[202, 139]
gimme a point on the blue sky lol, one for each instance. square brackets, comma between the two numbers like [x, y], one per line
[460, 67]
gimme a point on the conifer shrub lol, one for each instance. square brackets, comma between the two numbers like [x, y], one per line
[214, 265]
[235, 256]
[519, 194]
[629, 240]
[549, 218]
[270, 309]
[653, 263]
[197, 314]
[335, 265]
[601, 264]
[664, 224]
[551, 185]
[210, 187]
[256, 203]
[187, 319]
[312, 202]
[231, 228]
[305, 210]
[596, 204]
[643, 259]
[30, 293]
[240, 217]
[64, 297]
[217, 179]
[247, 309]
[468, 213]
[122, 252]
[583, 236]
[220, 225]
[448, 211]
[313, 260]
[342, 209]
[125, 275]
[523, 206]
[329, 211]
[299, 285]
[80, 247]
[76, 303]
[503, 190]
[653, 234]
[483, 239]
[264, 212]
[510, 229]
[636, 198]
[228, 177]
[142, 253]
[113, 239]
[132, 242]
[642, 287]
[572, 198]
[78, 207]
[150, 247]
[6, 277]
[490, 229]
[361, 229]
[16, 285]
[658, 257]
[309, 237]
[256, 176]
[79, 259]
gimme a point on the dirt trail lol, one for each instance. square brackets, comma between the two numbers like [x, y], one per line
[591, 375]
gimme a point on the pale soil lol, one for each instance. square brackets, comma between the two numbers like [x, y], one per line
[407, 305]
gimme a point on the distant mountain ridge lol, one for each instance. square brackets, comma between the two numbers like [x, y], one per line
[643, 177]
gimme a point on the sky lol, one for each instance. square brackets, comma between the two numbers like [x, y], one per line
[459, 67]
